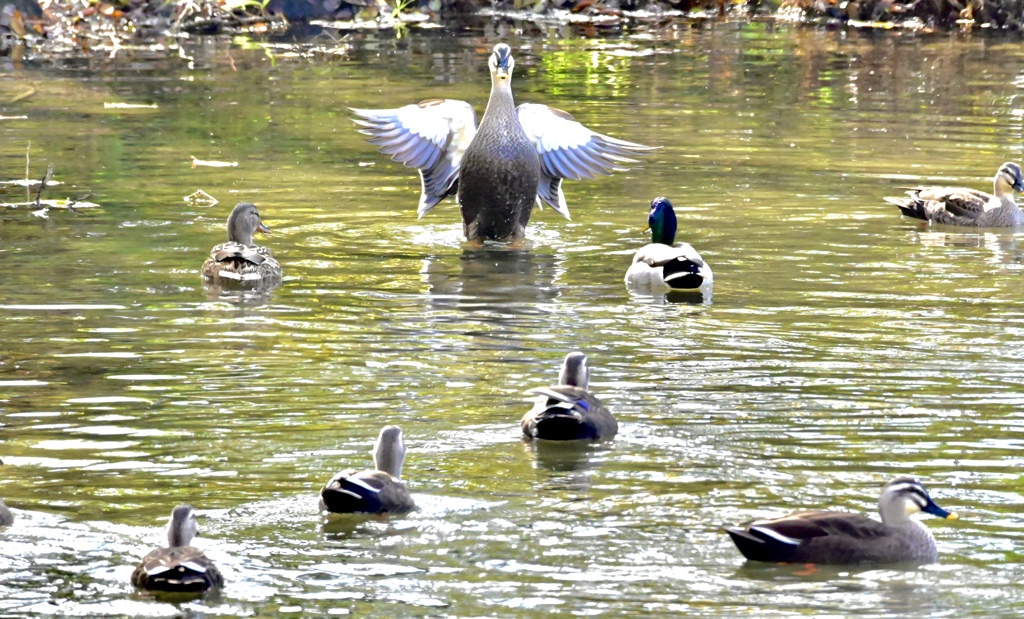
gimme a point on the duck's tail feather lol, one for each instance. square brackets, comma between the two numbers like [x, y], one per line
[683, 274]
[909, 207]
[181, 578]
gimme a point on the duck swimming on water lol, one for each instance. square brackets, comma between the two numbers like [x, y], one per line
[841, 538]
[378, 490]
[962, 206]
[661, 265]
[568, 411]
[178, 567]
[241, 260]
[516, 157]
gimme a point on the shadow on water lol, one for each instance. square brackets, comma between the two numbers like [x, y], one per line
[566, 456]
[243, 296]
[672, 297]
[345, 526]
[1002, 246]
[491, 279]
[786, 573]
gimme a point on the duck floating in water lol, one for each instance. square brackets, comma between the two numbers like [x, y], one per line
[567, 411]
[660, 266]
[960, 206]
[841, 538]
[240, 260]
[6, 515]
[373, 491]
[178, 568]
[516, 157]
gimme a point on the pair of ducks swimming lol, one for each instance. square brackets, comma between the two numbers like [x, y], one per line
[658, 266]
[563, 412]
[568, 411]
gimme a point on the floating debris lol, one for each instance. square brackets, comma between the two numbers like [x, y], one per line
[69, 204]
[213, 164]
[201, 198]
[30, 182]
[130, 106]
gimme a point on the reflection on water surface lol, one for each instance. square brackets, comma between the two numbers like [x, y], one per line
[844, 345]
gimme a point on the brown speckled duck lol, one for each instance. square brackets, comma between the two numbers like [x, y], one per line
[516, 157]
[567, 411]
[240, 260]
[960, 206]
[178, 568]
[373, 491]
[841, 538]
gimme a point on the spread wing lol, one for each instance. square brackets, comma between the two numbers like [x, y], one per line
[430, 136]
[567, 149]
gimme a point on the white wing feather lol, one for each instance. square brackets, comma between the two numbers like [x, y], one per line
[430, 136]
[567, 149]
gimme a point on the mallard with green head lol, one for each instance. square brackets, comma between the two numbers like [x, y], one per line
[567, 411]
[961, 206]
[841, 538]
[180, 567]
[378, 490]
[240, 260]
[662, 266]
[516, 157]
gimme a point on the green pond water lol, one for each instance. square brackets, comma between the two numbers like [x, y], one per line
[843, 345]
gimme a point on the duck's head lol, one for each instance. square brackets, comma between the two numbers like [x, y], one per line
[1009, 177]
[243, 221]
[182, 526]
[389, 451]
[905, 496]
[501, 62]
[662, 221]
[575, 371]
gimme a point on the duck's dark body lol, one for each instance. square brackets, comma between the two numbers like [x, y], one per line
[835, 538]
[365, 492]
[500, 173]
[574, 414]
[498, 182]
[179, 570]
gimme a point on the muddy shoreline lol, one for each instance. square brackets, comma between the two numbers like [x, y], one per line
[78, 27]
